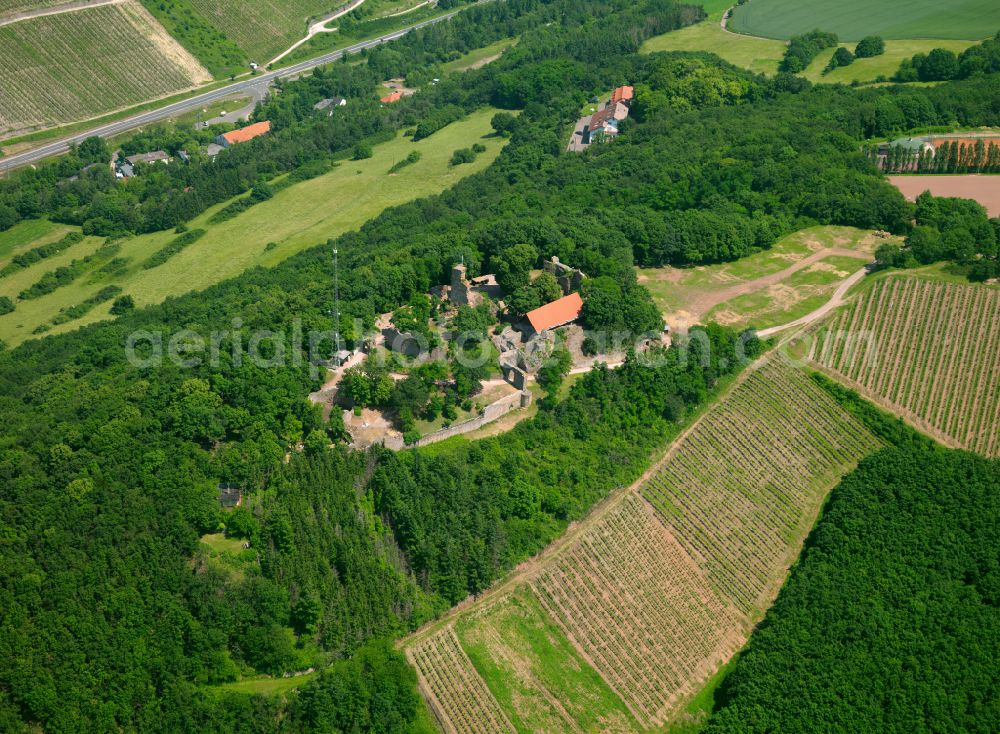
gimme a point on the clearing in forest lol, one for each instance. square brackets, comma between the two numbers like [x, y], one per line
[926, 350]
[621, 623]
[772, 287]
[81, 64]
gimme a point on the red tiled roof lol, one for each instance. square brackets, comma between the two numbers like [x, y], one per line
[248, 133]
[391, 97]
[557, 313]
[622, 94]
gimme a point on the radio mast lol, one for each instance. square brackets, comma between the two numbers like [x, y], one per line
[336, 307]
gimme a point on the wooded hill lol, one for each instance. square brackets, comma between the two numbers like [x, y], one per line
[114, 616]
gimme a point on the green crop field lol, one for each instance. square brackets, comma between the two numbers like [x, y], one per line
[263, 28]
[298, 217]
[77, 65]
[927, 350]
[854, 19]
[12, 7]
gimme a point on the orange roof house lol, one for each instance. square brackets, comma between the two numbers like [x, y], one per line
[557, 313]
[622, 94]
[244, 134]
[391, 97]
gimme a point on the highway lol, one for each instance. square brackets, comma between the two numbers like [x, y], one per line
[192, 103]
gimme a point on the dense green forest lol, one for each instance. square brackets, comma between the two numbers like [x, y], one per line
[889, 622]
[117, 618]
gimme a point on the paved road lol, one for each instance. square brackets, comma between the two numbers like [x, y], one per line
[192, 103]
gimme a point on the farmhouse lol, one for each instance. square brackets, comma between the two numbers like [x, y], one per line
[560, 312]
[603, 124]
[243, 134]
[391, 97]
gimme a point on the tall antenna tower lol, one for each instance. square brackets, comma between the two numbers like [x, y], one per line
[336, 306]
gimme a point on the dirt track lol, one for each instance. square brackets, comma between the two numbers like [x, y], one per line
[57, 9]
[701, 305]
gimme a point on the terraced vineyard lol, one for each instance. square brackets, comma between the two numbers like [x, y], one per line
[927, 350]
[457, 694]
[76, 65]
[745, 487]
[664, 585]
[631, 598]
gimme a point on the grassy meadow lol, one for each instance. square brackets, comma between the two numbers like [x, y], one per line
[303, 215]
[761, 54]
[753, 290]
[854, 19]
[478, 57]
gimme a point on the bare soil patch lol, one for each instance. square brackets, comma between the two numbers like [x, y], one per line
[984, 189]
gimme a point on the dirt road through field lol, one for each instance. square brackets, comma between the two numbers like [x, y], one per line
[836, 300]
[57, 10]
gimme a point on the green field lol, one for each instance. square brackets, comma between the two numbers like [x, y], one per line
[72, 66]
[760, 55]
[263, 28]
[529, 665]
[298, 217]
[478, 57]
[868, 70]
[29, 233]
[854, 19]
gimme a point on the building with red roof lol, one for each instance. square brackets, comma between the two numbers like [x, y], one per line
[391, 97]
[244, 134]
[562, 311]
[622, 94]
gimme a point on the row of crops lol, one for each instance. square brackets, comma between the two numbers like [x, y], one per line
[633, 599]
[747, 484]
[456, 692]
[13, 7]
[263, 28]
[928, 350]
[71, 66]
[665, 586]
